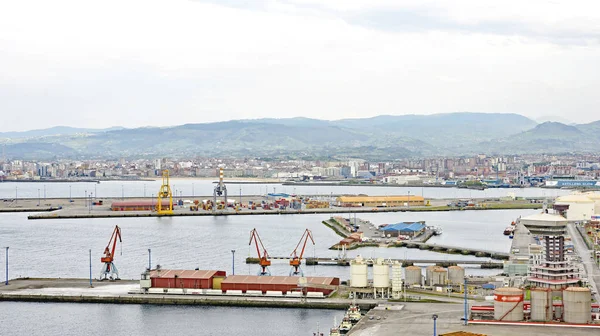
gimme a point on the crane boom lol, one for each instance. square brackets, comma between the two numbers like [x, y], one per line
[264, 256]
[297, 260]
[109, 270]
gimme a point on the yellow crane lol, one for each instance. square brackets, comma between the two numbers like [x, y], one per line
[165, 192]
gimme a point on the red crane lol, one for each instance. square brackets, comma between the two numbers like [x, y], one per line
[263, 257]
[297, 260]
[109, 270]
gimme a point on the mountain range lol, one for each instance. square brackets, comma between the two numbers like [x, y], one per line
[384, 137]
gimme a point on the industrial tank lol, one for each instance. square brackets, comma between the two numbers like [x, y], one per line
[508, 304]
[358, 272]
[577, 302]
[429, 274]
[456, 275]
[439, 276]
[413, 275]
[541, 304]
[381, 274]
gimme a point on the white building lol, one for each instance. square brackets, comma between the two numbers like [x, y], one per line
[581, 207]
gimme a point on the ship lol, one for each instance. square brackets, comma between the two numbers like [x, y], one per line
[509, 230]
[346, 325]
[353, 313]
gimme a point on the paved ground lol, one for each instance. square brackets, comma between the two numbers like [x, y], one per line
[593, 273]
[415, 319]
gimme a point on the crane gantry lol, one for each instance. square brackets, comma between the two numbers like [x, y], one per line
[109, 270]
[263, 257]
[220, 190]
[165, 192]
[296, 260]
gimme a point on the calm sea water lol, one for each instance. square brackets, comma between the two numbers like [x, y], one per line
[191, 187]
[65, 319]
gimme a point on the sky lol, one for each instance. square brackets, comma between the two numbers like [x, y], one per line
[138, 63]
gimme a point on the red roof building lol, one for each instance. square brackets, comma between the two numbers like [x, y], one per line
[325, 285]
[186, 279]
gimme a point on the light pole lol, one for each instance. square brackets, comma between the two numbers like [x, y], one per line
[6, 283]
[91, 269]
[409, 198]
[149, 259]
[240, 195]
[96, 190]
[466, 304]
[85, 197]
[232, 262]
[434, 317]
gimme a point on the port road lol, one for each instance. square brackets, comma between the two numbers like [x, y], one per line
[591, 268]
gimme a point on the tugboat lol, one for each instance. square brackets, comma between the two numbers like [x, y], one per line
[354, 313]
[509, 230]
[335, 331]
[346, 325]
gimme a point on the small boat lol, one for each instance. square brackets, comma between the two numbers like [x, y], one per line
[437, 231]
[354, 313]
[346, 325]
[509, 230]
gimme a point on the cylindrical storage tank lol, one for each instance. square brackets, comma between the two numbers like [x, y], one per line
[412, 275]
[381, 274]
[439, 276]
[456, 275]
[358, 273]
[577, 302]
[429, 274]
[541, 304]
[508, 304]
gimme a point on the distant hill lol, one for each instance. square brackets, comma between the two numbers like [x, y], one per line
[58, 130]
[378, 138]
[549, 137]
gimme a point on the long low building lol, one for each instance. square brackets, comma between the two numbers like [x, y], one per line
[142, 205]
[325, 285]
[380, 201]
[196, 279]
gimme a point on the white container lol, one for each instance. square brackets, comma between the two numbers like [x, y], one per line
[541, 305]
[508, 304]
[359, 273]
[577, 303]
[381, 274]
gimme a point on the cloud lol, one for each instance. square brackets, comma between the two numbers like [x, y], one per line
[155, 62]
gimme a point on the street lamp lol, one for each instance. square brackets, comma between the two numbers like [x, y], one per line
[434, 317]
[70, 198]
[91, 286]
[44, 192]
[6, 283]
[232, 262]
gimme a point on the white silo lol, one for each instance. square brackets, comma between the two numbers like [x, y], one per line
[413, 275]
[358, 273]
[439, 276]
[381, 278]
[456, 275]
[577, 302]
[396, 280]
[508, 304]
[429, 274]
[541, 304]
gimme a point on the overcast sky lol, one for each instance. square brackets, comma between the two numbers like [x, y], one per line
[148, 62]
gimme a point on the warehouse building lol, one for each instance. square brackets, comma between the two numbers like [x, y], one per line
[137, 205]
[410, 229]
[187, 279]
[380, 201]
[284, 284]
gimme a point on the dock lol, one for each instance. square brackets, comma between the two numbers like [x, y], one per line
[404, 262]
